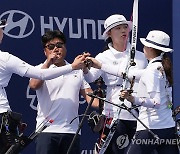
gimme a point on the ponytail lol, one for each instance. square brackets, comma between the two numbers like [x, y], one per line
[167, 65]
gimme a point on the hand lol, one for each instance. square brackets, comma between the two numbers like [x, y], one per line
[86, 54]
[87, 62]
[126, 94]
[51, 58]
[78, 62]
[94, 62]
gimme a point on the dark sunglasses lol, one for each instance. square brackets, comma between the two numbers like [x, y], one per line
[52, 46]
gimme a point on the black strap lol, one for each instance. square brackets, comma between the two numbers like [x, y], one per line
[157, 61]
[160, 45]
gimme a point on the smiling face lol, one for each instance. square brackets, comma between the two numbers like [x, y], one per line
[56, 46]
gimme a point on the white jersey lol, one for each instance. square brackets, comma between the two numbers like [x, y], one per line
[9, 65]
[117, 60]
[58, 99]
[154, 80]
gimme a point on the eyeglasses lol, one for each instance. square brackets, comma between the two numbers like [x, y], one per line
[52, 46]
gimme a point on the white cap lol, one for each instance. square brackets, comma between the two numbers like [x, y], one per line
[158, 40]
[113, 21]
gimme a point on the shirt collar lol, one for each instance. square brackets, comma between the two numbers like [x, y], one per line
[156, 58]
[116, 52]
[54, 66]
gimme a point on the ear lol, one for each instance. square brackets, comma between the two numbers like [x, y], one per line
[109, 33]
[45, 52]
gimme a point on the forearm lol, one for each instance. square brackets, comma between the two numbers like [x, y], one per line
[152, 102]
[111, 69]
[146, 102]
[84, 93]
[92, 75]
[136, 72]
[37, 83]
[47, 74]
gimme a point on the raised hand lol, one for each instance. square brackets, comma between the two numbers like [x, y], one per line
[94, 63]
[78, 62]
[126, 94]
[51, 58]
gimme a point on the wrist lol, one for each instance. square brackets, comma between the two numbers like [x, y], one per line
[85, 70]
[46, 65]
[99, 66]
[73, 66]
[130, 98]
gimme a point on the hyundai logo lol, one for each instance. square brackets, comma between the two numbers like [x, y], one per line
[20, 24]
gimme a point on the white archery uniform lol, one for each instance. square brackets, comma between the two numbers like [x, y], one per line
[58, 99]
[10, 64]
[118, 61]
[152, 85]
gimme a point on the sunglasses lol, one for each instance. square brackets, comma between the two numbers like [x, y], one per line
[52, 46]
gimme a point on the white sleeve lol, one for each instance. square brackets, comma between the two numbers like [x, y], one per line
[16, 65]
[135, 72]
[152, 102]
[19, 67]
[47, 74]
[85, 85]
[92, 74]
[117, 71]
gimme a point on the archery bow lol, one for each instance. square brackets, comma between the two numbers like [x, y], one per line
[23, 141]
[132, 49]
[125, 84]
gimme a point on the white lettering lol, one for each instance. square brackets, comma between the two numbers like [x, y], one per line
[168, 141]
[133, 141]
[178, 142]
[60, 25]
[79, 33]
[174, 141]
[156, 141]
[78, 28]
[144, 141]
[87, 22]
[46, 25]
[100, 25]
[162, 141]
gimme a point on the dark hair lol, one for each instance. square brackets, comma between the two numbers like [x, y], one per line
[108, 40]
[167, 65]
[50, 35]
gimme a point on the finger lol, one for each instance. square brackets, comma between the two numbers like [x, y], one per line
[79, 56]
[86, 54]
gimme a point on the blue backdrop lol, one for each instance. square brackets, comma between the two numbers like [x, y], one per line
[82, 23]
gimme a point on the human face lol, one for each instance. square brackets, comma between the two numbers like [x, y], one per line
[119, 33]
[58, 53]
[149, 53]
[1, 35]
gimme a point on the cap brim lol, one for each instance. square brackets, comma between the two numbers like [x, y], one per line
[147, 44]
[105, 36]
